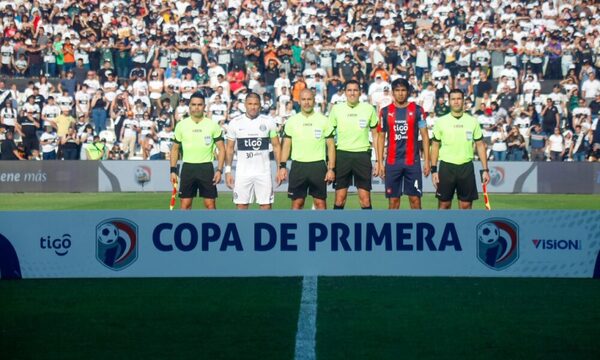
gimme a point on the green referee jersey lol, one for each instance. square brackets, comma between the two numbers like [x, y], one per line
[456, 137]
[308, 136]
[353, 125]
[198, 139]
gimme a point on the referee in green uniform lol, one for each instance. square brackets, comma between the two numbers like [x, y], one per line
[353, 122]
[453, 138]
[308, 135]
[197, 136]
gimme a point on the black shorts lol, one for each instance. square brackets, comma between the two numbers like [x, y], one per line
[459, 178]
[537, 68]
[30, 144]
[353, 168]
[197, 180]
[403, 179]
[308, 178]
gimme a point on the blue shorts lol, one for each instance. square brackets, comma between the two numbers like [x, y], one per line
[403, 180]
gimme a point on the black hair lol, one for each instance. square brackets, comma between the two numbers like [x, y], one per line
[456, 91]
[350, 82]
[198, 95]
[254, 95]
[400, 82]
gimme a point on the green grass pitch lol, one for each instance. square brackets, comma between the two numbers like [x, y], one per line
[256, 318]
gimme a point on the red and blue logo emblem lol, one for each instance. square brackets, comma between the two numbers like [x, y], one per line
[497, 243]
[497, 175]
[116, 243]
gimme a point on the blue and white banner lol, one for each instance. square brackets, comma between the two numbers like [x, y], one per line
[294, 243]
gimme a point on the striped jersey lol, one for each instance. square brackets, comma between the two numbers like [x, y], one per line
[402, 127]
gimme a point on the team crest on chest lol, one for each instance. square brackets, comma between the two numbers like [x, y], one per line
[318, 133]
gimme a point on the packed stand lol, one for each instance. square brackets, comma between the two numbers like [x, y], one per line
[121, 72]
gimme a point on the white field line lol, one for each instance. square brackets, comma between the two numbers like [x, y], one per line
[307, 321]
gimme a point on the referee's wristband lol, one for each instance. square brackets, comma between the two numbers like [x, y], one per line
[282, 165]
[485, 170]
[219, 170]
[174, 170]
[433, 169]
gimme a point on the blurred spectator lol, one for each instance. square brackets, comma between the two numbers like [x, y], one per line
[9, 150]
[516, 145]
[556, 145]
[538, 142]
[498, 139]
[97, 150]
[590, 87]
[116, 153]
[49, 141]
[550, 117]
[69, 144]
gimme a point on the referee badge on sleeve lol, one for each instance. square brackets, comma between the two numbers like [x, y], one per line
[469, 135]
[318, 133]
[207, 140]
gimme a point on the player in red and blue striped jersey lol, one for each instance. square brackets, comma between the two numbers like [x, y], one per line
[402, 121]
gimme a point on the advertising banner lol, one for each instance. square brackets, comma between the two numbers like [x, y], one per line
[138, 176]
[296, 243]
[569, 178]
[115, 176]
[511, 177]
[48, 176]
[505, 177]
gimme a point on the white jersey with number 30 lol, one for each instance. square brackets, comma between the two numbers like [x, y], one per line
[252, 139]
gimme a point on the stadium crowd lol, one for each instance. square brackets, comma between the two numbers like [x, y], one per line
[110, 78]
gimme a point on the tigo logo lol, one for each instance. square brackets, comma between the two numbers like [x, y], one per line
[60, 245]
[116, 243]
[497, 243]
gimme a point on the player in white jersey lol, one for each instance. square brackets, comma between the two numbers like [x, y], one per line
[250, 135]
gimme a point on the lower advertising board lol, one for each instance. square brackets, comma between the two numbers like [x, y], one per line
[116, 176]
[138, 176]
[505, 177]
[48, 176]
[288, 243]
